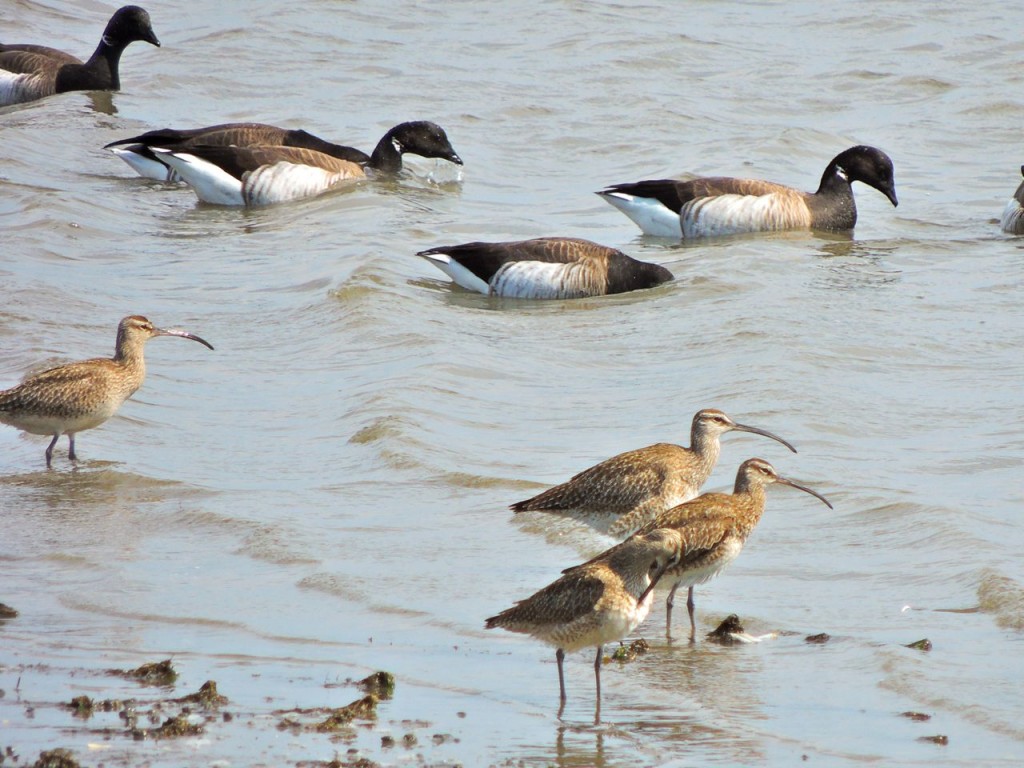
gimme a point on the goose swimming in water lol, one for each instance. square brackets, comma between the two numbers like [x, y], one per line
[545, 268]
[266, 174]
[710, 206]
[30, 72]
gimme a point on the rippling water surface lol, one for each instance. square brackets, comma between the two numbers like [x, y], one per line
[326, 493]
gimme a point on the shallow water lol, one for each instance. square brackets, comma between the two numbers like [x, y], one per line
[325, 494]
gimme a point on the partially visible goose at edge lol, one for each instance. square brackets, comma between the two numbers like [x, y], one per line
[420, 137]
[30, 72]
[545, 268]
[712, 206]
[1013, 214]
[262, 175]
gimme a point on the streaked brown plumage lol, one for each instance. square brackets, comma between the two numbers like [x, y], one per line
[721, 205]
[623, 493]
[79, 396]
[29, 72]
[1012, 220]
[545, 268]
[714, 528]
[595, 603]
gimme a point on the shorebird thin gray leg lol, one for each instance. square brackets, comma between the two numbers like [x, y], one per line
[560, 657]
[49, 449]
[597, 669]
[689, 609]
[669, 602]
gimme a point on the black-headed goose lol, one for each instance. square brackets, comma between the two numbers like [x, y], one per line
[264, 174]
[712, 206]
[545, 268]
[30, 72]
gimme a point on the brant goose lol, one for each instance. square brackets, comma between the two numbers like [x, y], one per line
[1013, 214]
[421, 137]
[261, 174]
[30, 72]
[711, 206]
[622, 494]
[71, 398]
[545, 268]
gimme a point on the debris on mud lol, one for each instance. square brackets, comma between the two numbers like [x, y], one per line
[56, 758]
[380, 684]
[159, 673]
[629, 652]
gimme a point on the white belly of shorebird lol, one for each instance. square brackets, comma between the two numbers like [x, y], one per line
[37, 424]
[726, 553]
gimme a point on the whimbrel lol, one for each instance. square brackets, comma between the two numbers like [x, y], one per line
[79, 396]
[623, 493]
[595, 603]
[714, 528]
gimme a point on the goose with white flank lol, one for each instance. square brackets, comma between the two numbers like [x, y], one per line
[30, 72]
[386, 158]
[711, 206]
[545, 268]
[261, 174]
[1013, 214]
[137, 152]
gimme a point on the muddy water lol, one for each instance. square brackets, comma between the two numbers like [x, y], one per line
[325, 494]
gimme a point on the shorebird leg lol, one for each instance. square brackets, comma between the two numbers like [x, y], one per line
[560, 657]
[597, 670]
[669, 602]
[689, 609]
[49, 450]
[71, 446]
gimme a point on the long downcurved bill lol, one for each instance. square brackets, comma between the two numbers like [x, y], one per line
[184, 335]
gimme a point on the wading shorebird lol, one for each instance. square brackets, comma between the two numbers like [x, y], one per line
[79, 396]
[545, 268]
[622, 494]
[30, 72]
[714, 528]
[595, 603]
[718, 205]
[263, 175]
[418, 137]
